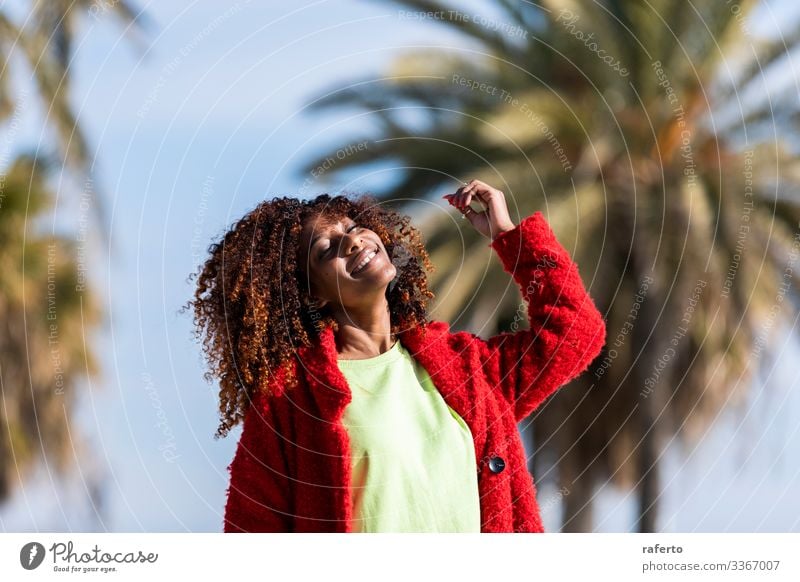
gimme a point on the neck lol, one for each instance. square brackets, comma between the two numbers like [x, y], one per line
[364, 332]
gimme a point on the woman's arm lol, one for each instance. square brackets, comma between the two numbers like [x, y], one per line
[258, 495]
[566, 333]
[566, 330]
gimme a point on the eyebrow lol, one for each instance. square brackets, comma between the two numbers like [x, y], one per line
[319, 236]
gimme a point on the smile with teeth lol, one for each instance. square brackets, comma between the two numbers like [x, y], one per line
[364, 261]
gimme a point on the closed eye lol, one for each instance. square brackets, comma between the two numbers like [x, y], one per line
[325, 252]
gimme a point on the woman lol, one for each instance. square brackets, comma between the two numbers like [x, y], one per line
[360, 414]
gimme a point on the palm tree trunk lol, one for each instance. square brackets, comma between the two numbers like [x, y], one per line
[650, 401]
[578, 484]
[648, 343]
[648, 487]
[578, 508]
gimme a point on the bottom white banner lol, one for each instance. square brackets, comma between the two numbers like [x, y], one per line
[106, 556]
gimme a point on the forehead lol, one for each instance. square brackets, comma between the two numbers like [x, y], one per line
[319, 224]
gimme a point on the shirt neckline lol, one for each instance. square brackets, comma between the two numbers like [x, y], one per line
[389, 355]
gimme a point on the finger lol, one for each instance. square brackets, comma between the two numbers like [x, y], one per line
[466, 186]
[484, 194]
[467, 198]
[474, 183]
[474, 187]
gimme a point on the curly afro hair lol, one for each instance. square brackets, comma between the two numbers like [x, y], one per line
[252, 307]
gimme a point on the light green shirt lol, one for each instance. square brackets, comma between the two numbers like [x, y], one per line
[413, 457]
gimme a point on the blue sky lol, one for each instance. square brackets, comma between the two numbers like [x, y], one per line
[188, 134]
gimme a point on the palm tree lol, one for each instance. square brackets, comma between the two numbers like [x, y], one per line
[48, 312]
[644, 132]
[43, 42]
[48, 318]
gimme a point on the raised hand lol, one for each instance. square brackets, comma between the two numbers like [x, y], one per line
[491, 221]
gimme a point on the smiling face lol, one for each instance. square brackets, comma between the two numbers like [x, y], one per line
[333, 251]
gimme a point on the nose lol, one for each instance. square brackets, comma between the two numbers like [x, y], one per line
[355, 244]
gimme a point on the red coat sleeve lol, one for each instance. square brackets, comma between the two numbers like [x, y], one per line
[258, 498]
[566, 330]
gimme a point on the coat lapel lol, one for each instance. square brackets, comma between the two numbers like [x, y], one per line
[326, 476]
[429, 347]
[324, 379]
[323, 477]
[331, 391]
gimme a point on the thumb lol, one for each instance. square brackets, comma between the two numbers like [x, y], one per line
[479, 220]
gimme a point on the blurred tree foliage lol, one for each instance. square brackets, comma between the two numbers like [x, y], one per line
[48, 311]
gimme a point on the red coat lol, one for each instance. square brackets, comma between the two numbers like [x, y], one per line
[291, 469]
